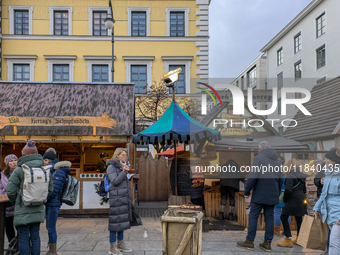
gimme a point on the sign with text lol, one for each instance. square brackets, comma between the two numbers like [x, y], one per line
[85, 121]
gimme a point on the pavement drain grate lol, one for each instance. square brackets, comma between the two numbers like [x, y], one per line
[150, 212]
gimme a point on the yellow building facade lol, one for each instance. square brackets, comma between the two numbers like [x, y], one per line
[66, 41]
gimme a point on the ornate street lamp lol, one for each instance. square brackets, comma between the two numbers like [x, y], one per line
[109, 24]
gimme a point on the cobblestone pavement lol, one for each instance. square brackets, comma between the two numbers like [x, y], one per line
[78, 236]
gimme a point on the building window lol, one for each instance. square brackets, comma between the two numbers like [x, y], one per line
[20, 19]
[138, 23]
[139, 78]
[21, 72]
[320, 25]
[297, 70]
[297, 96]
[236, 83]
[279, 106]
[61, 72]
[320, 56]
[60, 68]
[60, 20]
[100, 73]
[279, 56]
[279, 81]
[184, 62]
[180, 84]
[281, 130]
[177, 21]
[98, 23]
[60, 23]
[297, 43]
[251, 77]
[242, 82]
[138, 71]
[20, 68]
[21, 22]
[177, 24]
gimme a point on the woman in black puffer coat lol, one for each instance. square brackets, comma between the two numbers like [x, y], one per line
[294, 199]
[120, 213]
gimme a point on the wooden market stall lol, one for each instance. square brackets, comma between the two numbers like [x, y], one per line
[79, 120]
[239, 143]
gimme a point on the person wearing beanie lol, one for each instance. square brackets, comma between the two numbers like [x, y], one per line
[101, 165]
[50, 158]
[53, 204]
[11, 164]
[27, 219]
[30, 148]
[329, 202]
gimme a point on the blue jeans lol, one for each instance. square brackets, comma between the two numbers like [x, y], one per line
[255, 210]
[26, 233]
[277, 216]
[113, 236]
[51, 221]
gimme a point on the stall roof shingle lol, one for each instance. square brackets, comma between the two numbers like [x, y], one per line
[71, 99]
[324, 106]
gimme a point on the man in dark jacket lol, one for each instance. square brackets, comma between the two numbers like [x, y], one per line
[320, 175]
[265, 179]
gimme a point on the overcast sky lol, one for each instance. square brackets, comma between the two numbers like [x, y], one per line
[240, 28]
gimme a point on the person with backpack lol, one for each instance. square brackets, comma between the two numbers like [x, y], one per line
[120, 213]
[294, 199]
[27, 214]
[50, 158]
[11, 164]
[53, 204]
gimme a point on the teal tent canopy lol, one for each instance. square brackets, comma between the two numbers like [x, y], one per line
[176, 125]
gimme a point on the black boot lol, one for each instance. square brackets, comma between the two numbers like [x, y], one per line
[247, 244]
[221, 216]
[231, 217]
[266, 245]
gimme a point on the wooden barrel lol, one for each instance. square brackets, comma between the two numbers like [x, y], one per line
[186, 186]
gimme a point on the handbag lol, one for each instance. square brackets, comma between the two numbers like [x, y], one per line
[136, 220]
[313, 233]
[283, 193]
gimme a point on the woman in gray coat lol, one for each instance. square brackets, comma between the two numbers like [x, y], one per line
[120, 213]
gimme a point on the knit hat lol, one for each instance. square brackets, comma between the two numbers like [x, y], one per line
[50, 155]
[29, 148]
[334, 155]
[9, 157]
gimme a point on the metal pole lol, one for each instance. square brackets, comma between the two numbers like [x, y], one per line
[175, 143]
[113, 56]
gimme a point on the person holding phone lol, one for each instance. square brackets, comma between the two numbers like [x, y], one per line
[120, 213]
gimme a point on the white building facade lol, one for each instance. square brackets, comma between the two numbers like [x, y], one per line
[304, 53]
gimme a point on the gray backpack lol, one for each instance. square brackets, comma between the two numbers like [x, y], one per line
[70, 190]
[35, 187]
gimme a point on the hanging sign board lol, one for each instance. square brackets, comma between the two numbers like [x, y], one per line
[84, 121]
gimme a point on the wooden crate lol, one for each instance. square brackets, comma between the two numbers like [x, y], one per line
[182, 232]
[212, 201]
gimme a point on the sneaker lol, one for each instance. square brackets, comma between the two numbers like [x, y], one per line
[121, 246]
[266, 245]
[247, 244]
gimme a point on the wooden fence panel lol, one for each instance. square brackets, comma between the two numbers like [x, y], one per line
[153, 183]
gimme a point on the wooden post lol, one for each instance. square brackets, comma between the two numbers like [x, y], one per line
[164, 227]
[185, 240]
[82, 162]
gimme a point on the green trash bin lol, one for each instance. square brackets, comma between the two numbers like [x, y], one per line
[182, 232]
